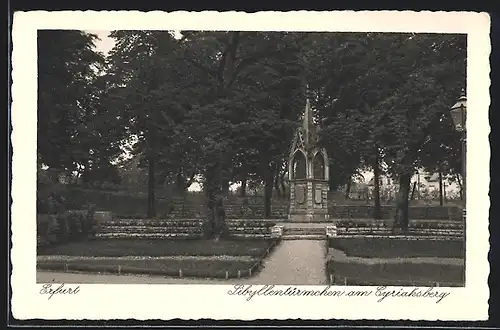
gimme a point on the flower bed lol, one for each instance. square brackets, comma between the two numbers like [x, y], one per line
[231, 259]
[177, 268]
[145, 247]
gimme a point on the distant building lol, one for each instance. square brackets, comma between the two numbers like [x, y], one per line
[427, 184]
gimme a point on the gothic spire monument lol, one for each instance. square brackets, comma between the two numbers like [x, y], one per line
[308, 173]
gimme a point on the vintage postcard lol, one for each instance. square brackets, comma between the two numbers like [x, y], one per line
[280, 165]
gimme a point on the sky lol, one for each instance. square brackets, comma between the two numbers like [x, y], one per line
[105, 44]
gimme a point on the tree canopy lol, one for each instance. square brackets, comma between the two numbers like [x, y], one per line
[223, 105]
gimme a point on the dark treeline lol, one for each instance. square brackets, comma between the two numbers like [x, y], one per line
[223, 106]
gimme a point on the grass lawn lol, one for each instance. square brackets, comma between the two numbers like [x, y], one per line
[158, 248]
[190, 268]
[397, 248]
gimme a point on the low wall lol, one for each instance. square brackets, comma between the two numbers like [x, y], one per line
[182, 228]
[249, 228]
[417, 229]
[152, 228]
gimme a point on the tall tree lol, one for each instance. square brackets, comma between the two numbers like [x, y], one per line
[68, 70]
[150, 90]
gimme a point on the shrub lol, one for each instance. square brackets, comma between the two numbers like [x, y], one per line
[67, 226]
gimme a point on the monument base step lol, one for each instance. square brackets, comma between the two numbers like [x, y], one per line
[304, 219]
[323, 220]
[304, 237]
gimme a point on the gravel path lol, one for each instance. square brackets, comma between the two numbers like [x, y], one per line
[300, 262]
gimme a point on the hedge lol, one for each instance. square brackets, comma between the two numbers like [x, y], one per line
[67, 226]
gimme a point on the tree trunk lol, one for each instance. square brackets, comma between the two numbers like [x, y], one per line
[413, 191]
[444, 191]
[276, 180]
[213, 193]
[243, 188]
[440, 188]
[348, 188]
[180, 181]
[377, 212]
[268, 190]
[151, 184]
[404, 188]
[461, 191]
[225, 187]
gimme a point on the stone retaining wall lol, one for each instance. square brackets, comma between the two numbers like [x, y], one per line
[249, 228]
[182, 228]
[152, 228]
[417, 229]
[415, 223]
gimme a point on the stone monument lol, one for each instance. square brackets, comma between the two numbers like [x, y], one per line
[308, 173]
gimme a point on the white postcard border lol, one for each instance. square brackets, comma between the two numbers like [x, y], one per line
[100, 301]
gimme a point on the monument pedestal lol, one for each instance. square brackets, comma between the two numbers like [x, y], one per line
[308, 201]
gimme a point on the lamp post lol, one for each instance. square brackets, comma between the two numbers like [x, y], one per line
[459, 114]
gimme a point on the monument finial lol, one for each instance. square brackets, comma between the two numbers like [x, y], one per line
[308, 116]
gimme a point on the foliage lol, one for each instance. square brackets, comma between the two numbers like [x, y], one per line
[221, 107]
[73, 134]
[66, 226]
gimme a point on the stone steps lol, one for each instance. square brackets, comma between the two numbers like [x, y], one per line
[304, 237]
[302, 220]
[304, 231]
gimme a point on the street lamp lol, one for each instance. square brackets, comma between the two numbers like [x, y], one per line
[459, 114]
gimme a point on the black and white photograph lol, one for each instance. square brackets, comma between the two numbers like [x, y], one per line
[263, 162]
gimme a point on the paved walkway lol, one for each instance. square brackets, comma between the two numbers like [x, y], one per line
[300, 262]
